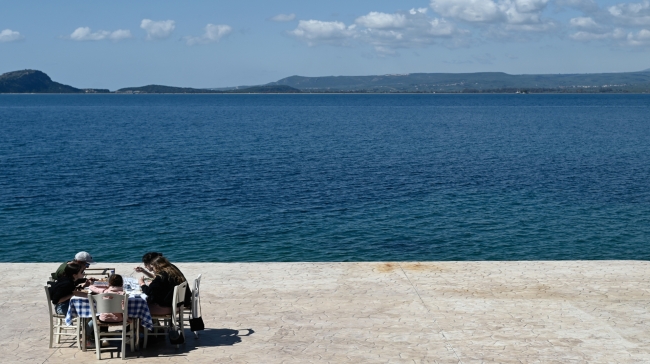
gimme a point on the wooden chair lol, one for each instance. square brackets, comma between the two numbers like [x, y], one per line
[58, 327]
[111, 303]
[176, 317]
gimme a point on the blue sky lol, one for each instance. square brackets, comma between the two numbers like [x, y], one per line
[114, 44]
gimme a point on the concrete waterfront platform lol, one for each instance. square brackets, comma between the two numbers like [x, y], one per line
[401, 312]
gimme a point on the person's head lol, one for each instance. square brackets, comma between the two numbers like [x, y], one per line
[84, 259]
[73, 270]
[160, 264]
[147, 258]
[115, 280]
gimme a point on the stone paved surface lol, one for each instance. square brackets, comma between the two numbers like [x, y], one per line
[428, 312]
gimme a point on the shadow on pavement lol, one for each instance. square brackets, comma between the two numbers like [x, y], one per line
[160, 347]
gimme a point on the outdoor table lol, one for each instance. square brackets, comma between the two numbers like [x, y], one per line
[80, 307]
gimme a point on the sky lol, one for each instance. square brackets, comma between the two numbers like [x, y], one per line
[200, 43]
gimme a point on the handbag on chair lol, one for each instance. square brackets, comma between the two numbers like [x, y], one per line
[196, 324]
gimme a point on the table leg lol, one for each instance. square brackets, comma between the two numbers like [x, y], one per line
[83, 333]
[137, 333]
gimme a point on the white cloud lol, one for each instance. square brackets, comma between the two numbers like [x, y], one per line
[85, 34]
[382, 20]
[617, 35]
[158, 29]
[284, 17]
[9, 35]
[584, 23]
[631, 13]
[331, 32]
[483, 11]
[585, 36]
[640, 38]
[385, 32]
[213, 33]
[520, 15]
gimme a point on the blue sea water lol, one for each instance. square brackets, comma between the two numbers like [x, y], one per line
[223, 178]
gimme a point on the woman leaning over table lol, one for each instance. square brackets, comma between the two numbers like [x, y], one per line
[160, 292]
[63, 289]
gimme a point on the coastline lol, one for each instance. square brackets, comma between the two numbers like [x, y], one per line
[449, 312]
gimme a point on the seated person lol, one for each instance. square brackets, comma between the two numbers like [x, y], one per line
[64, 288]
[160, 292]
[115, 285]
[147, 259]
[82, 258]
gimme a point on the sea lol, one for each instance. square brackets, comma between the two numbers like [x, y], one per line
[325, 177]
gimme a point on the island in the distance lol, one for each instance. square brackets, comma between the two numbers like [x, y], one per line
[32, 81]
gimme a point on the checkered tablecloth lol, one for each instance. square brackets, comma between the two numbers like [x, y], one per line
[138, 308]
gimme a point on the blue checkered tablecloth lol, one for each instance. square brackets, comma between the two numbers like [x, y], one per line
[138, 308]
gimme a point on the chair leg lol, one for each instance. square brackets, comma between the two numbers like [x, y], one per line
[58, 330]
[78, 325]
[51, 331]
[146, 336]
[137, 334]
[132, 339]
[98, 343]
[124, 343]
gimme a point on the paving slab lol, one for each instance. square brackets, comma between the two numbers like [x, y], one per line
[376, 312]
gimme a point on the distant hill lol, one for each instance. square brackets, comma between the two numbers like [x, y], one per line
[159, 89]
[266, 89]
[482, 81]
[32, 81]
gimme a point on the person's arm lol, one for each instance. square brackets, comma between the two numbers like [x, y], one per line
[96, 289]
[144, 271]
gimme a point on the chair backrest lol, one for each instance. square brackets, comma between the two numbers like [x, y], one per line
[179, 294]
[49, 300]
[109, 303]
[196, 298]
[197, 283]
[179, 298]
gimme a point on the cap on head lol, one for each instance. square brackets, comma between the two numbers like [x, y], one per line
[84, 257]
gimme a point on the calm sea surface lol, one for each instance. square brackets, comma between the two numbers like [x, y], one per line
[325, 177]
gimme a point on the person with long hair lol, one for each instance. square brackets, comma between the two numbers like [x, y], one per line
[160, 292]
[64, 287]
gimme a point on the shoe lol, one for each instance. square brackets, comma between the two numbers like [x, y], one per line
[105, 344]
[90, 344]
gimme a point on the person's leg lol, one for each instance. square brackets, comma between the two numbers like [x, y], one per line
[155, 309]
[62, 308]
[90, 331]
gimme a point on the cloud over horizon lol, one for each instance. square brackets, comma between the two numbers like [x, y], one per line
[283, 17]
[385, 32]
[85, 34]
[157, 30]
[213, 33]
[9, 35]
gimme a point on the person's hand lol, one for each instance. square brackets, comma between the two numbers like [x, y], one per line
[92, 279]
[141, 281]
[88, 283]
[139, 269]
